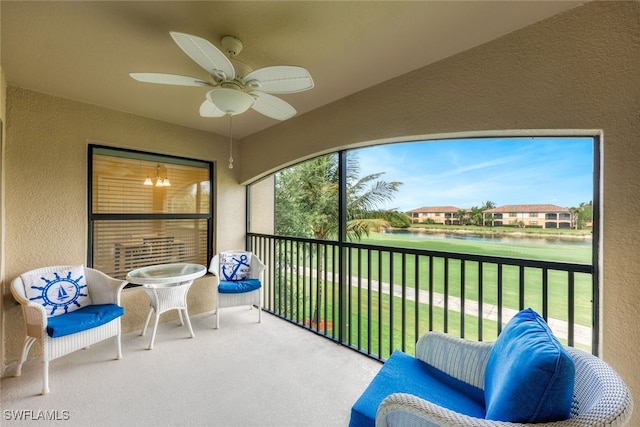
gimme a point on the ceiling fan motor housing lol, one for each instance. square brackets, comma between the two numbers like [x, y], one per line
[232, 45]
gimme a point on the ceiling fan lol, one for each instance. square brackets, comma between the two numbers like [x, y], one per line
[236, 87]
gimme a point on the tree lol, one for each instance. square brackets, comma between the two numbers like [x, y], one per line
[307, 199]
[583, 215]
[488, 205]
[463, 216]
[476, 215]
[393, 217]
[487, 219]
[307, 202]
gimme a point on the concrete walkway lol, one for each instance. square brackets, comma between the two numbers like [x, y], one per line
[582, 334]
[560, 328]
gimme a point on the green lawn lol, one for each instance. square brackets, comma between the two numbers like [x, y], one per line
[364, 308]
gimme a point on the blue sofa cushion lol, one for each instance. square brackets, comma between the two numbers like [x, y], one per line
[403, 373]
[529, 376]
[85, 318]
[238, 286]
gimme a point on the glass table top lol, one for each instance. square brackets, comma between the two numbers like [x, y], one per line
[164, 274]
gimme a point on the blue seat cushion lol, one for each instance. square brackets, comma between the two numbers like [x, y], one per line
[529, 376]
[85, 318]
[238, 286]
[403, 373]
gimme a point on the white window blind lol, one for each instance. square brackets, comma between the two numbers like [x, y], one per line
[148, 209]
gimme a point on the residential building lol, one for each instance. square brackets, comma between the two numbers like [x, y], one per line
[434, 215]
[541, 216]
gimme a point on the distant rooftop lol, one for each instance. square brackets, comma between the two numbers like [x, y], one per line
[441, 209]
[527, 208]
[499, 209]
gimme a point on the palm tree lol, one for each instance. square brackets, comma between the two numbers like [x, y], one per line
[461, 214]
[487, 218]
[307, 203]
[307, 199]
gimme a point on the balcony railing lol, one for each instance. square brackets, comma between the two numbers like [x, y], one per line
[376, 299]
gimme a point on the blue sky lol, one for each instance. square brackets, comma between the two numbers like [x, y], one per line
[466, 173]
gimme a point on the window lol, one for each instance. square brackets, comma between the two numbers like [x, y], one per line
[325, 271]
[147, 209]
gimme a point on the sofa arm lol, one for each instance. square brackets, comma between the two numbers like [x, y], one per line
[462, 359]
[34, 315]
[35, 319]
[407, 410]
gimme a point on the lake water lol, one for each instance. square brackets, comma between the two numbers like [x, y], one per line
[496, 238]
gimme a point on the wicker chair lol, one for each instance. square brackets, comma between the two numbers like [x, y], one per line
[238, 296]
[601, 398]
[103, 290]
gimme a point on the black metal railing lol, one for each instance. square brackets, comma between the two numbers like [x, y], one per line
[376, 299]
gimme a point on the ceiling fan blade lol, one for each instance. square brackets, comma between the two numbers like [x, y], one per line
[272, 106]
[280, 79]
[169, 79]
[205, 54]
[208, 109]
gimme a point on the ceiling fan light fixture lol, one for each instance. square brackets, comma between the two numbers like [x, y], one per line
[230, 101]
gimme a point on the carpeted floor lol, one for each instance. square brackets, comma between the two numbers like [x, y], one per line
[243, 374]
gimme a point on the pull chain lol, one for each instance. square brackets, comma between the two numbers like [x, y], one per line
[230, 141]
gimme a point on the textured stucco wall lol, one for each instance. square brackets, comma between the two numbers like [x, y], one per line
[3, 109]
[45, 168]
[578, 70]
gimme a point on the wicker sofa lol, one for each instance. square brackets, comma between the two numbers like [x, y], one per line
[600, 397]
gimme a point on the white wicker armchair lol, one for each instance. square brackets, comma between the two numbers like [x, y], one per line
[601, 398]
[102, 289]
[250, 298]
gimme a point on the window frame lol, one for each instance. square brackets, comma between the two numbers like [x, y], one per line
[95, 217]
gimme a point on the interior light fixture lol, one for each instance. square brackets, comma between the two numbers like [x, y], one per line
[231, 101]
[159, 180]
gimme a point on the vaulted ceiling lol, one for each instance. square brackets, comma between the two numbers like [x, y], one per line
[85, 50]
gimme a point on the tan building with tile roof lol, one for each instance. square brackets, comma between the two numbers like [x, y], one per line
[434, 215]
[537, 215]
[534, 215]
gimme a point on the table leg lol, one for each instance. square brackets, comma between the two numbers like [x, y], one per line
[186, 317]
[155, 328]
[144, 330]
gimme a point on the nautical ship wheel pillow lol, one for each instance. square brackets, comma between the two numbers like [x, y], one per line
[59, 292]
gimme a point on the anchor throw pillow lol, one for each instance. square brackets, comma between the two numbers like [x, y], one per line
[235, 265]
[59, 292]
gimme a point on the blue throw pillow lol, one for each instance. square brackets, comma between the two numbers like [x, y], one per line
[529, 376]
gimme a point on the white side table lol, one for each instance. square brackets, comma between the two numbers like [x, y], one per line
[167, 286]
